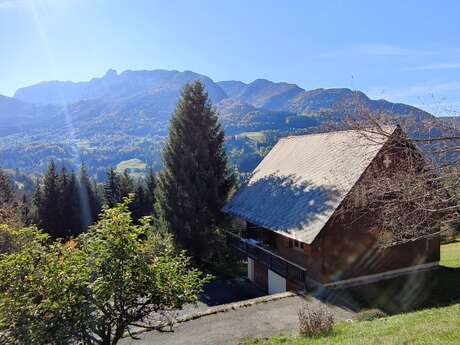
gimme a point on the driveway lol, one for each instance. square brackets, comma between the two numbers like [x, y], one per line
[222, 291]
[231, 327]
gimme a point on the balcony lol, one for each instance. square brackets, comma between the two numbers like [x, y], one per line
[266, 257]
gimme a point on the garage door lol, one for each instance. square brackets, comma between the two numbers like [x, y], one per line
[276, 283]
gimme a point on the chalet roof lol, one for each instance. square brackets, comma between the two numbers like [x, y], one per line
[300, 183]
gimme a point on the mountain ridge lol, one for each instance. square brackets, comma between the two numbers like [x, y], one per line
[121, 116]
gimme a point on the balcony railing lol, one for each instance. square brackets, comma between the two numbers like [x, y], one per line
[268, 258]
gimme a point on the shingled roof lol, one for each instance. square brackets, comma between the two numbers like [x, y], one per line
[300, 183]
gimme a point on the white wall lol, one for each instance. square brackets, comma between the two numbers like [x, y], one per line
[276, 283]
[250, 269]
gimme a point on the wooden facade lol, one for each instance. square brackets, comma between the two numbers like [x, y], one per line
[336, 255]
[347, 249]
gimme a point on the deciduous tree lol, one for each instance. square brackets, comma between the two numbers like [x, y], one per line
[94, 288]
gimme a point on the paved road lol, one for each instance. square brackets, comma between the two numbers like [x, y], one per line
[260, 320]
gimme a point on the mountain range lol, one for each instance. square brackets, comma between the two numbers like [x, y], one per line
[121, 119]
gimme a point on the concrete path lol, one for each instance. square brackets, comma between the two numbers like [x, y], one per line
[233, 326]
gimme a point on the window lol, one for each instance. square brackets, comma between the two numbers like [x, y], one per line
[297, 245]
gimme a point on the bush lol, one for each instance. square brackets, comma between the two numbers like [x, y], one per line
[315, 320]
[370, 314]
[92, 290]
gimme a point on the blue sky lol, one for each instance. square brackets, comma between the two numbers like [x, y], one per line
[404, 51]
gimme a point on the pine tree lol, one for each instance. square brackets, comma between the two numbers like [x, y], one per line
[89, 202]
[37, 202]
[195, 182]
[151, 184]
[112, 192]
[24, 210]
[47, 200]
[139, 203]
[63, 203]
[6, 189]
[126, 185]
[69, 203]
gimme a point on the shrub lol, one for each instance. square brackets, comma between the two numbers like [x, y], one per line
[92, 290]
[315, 320]
[370, 314]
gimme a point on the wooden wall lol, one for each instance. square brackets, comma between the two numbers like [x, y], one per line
[261, 276]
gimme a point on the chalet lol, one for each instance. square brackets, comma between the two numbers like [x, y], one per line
[294, 237]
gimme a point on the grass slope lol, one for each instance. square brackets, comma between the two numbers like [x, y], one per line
[255, 136]
[429, 326]
[450, 254]
[440, 326]
[131, 164]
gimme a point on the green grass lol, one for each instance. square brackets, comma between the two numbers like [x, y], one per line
[436, 325]
[255, 136]
[450, 255]
[131, 164]
[440, 326]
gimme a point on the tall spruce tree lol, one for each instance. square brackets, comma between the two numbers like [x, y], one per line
[196, 180]
[24, 210]
[112, 192]
[47, 203]
[89, 202]
[69, 203]
[151, 184]
[126, 184]
[138, 206]
[6, 189]
[63, 201]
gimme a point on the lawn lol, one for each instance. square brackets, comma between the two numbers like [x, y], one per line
[255, 136]
[131, 164]
[450, 254]
[440, 326]
[434, 325]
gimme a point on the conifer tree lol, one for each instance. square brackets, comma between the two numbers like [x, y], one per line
[63, 202]
[24, 210]
[89, 203]
[138, 207]
[151, 184]
[6, 189]
[47, 200]
[37, 202]
[112, 193]
[69, 203]
[196, 180]
[126, 184]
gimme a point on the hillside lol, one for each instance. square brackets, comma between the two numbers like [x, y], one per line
[124, 116]
[432, 326]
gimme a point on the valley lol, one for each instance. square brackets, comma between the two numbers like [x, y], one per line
[125, 116]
